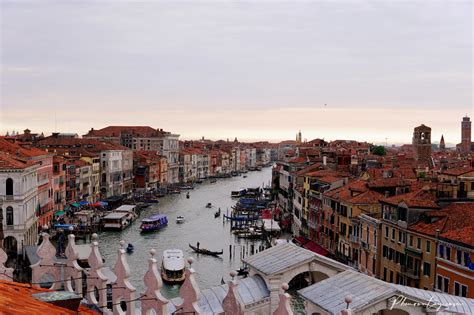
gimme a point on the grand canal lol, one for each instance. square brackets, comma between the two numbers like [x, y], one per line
[200, 225]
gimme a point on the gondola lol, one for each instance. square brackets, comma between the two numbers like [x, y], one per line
[205, 251]
[209, 205]
[187, 195]
[217, 214]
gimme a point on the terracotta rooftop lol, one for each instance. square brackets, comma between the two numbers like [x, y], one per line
[16, 298]
[116, 131]
[13, 148]
[7, 161]
[79, 144]
[454, 222]
[458, 171]
[420, 198]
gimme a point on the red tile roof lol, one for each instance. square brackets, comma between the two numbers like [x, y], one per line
[16, 298]
[8, 161]
[115, 131]
[454, 221]
[13, 148]
[420, 198]
[458, 171]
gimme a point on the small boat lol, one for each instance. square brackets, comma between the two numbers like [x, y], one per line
[174, 191]
[238, 193]
[154, 223]
[199, 181]
[172, 266]
[245, 176]
[205, 251]
[213, 180]
[187, 195]
[243, 271]
[129, 248]
[217, 214]
[209, 205]
[179, 219]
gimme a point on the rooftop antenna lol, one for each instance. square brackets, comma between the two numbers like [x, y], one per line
[55, 121]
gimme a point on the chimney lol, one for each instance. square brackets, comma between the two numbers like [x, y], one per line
[325, 160]
[387, 194]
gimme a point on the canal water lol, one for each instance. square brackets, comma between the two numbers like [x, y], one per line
[199, 226]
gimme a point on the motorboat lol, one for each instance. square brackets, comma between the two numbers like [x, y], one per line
[154, 223]
[172, 266]
[179, 219]
[129, 248]
[213, 180]
[209, 205]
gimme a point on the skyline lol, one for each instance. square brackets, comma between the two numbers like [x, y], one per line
[269, 68]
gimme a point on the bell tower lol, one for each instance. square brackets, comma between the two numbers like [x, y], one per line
[422, 143]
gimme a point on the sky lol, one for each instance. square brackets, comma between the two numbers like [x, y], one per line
[256, 70]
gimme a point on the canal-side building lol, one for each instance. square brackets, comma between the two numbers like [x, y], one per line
[144, 138]
[18, 202]
[147, 170]
[59, 183]
[402, 251]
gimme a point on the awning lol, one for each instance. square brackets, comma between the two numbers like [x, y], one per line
[75, 204]
[312, 246]
[59, 213]
[300, 240]
[83, 203]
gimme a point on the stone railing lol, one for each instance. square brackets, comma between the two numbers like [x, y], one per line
[151, 301]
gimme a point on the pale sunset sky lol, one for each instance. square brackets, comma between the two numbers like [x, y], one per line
[256, 70]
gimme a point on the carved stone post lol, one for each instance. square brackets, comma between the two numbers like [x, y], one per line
[72, 270]
[231, 303]
[284, 307]
[122, 289]
[5, 273]
[96, 279]
[189, 292]
[152, 299]
[46, 264]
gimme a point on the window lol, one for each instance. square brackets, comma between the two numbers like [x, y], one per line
[428, 247]
[391, 276]
[458, 257]
[9, 187]
[426, 269]
[457, 288]
[375, 237]
[445, 284]
[386, 232]
[393, 234]
[411, 240]
[441, 251]
[384, 274]
[439, 283]
[367, 235]
[448, 253]
[399, 236]
[418, 243]
[467, 259]
[463, 290]
[10, 216]
[384, 251]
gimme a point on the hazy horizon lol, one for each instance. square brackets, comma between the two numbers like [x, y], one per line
[362, 70]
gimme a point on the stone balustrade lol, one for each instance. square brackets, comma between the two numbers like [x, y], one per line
[123, 292]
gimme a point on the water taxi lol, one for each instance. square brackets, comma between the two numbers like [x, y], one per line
[154, 223]
[172, 266]
[179, 219]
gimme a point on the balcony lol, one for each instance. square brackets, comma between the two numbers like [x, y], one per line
[410, 273]
[364, 245]
[413, 252]
[354, 238]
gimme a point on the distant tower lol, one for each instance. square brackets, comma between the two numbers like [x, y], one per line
[298, 137]
[422, 143]
[466, 134]
[442, 145]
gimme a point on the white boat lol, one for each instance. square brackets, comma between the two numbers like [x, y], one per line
[179, 219]
[172, 266]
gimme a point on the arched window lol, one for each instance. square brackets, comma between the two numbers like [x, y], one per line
[9, 185]
[9, 216]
